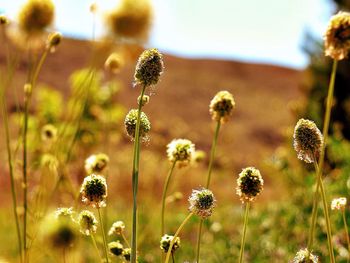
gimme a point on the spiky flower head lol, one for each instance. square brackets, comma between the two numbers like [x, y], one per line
[87, 222]
[48, 133]
[130, 124]
[145, 100]
[114, 63]
[53, 40]
[96, 163]
[339, 203]
[4, 20]
[126, 254]
[64, 212]
[308, 140]
[304, 256]
[202, 202]
[165, 243]
[130, 20]
[180, 151]
[116, 248]
[36, 15]
[221, 106]
[249, 184]
[149, 67]
[337, 36]
[94, 191]
[117, 228]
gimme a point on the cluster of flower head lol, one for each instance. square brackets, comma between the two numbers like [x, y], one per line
[221, 106]
[48, 133]
[337, 36]
[130, 124]
[117, 228]
[96, 163]
[249, 184]
[202, 202]
[94, 191]
[165, 243]
[87, 222]
[308, 140]
[180, 151]
[339, 203]
[114, 63]
[304, 256]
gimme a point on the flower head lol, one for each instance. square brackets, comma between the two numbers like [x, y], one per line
[116, 248]
[36, 15]
[165, 243]
[117, 228]
[221, 106]
[130, 124]
[337, 36]
[202, 202]
[96, 163]
[53, 40]
[48, 133]
[126, 254]
[249, 184]
[4, 20]
[339, 203]
[304, 256]
[308, 140]
[180, 151]
[87, 222]
[64, 212]
[94, 191]
[149, 67]
[114, 63]
[145, 100]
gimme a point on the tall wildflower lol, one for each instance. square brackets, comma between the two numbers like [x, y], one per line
[131, 121]
[87, 222]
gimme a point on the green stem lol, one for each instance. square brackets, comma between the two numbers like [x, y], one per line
[95, 245]
[199, 240]
[246, 214]
[175, 236]
[135, 174]
[347, 234]
[103, 235]
[125, 240]
[165, 189]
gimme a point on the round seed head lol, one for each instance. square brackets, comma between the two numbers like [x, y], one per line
[4, 20]
[145, 100]
[53, 40]
[308, 140]
[48, 133]
[96, 163]
[36, 15]
[165, 243]
[337, 36]
[116, 248]
[249, 184]
[130, 124]
[94, 191]
[126, 254]
[339, 203]
[149, 67]
[304, 256]
[180, 151]
[87, 222]
[114, 63]
[221, 106]
[117, 228]
[202, 202]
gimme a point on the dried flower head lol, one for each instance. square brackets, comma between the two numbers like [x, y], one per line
[202, 202]
[249, 184]
[339, 203]
[149, 67]
[131, 19]
[165, 243]
[130, 124]
[117, 228]
[126, 254]
[94, 191]
[114, 63]
[36, 15]
[64, 212]
[53, 40]
[221, 106]
[96, 163]
[308, 140]
[116, 248]
[4, 20]
[180, 151]
[48, 133]
[145, 100]
[337, 36]
[304, 256]
[87, 222]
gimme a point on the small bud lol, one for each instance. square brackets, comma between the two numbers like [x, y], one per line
[249, 184]
[145, 100]
[117, 228]
[114, 63]
[116, 248]
[130, 124]
[27, 89]
[165, 243]
[221, 106]
[339, 203]
[303, 256]
[53, 40]
[202, 203]
[48, 133]
[94, 191]
[180, 151]
[96, 163]
[87, 222]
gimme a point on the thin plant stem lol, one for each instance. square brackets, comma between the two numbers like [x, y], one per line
[210, 168]
[64, 255]
[95, 245]
[135, 174]
[347, 233]
[165, 189]
[125, 240]
[246, 214]
[175, 236]
[172, 257]
[103, 235]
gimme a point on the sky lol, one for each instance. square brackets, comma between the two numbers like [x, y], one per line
[259, 31]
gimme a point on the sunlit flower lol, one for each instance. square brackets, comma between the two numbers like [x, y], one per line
[116, 248]
[53, 40]
[64, 212]
[304, 256]
[165, 243]
[96, 163]
[339, 203]
[221, 106]
[126, 254]
[48, 133]
[180, 151]
[145, 100]
[117, 228]
[249, 184]
[202, 203]
[130, 124]
[87, 222]
[94, 191]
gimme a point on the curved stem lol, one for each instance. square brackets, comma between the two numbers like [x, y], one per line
[103, 235]
[175, 236]
[347, 234]
[95, 245]
[125, 240]
[165, 189]
[246, 214]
